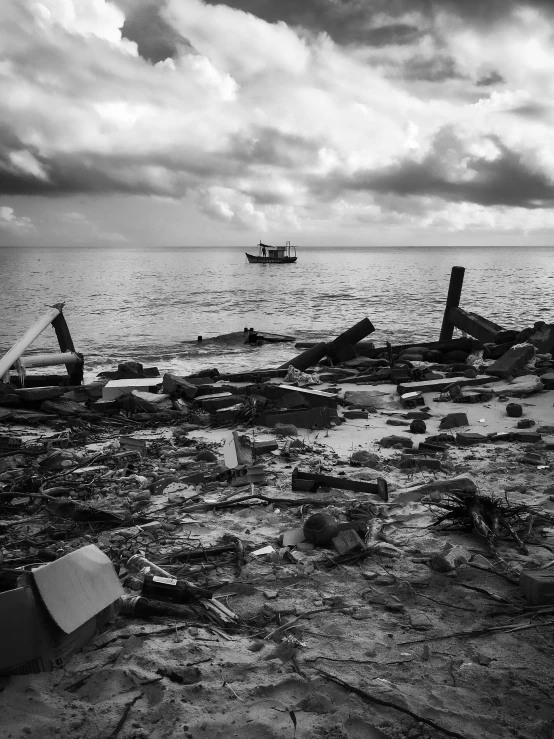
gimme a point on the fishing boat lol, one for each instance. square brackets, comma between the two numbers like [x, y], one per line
[272, 254]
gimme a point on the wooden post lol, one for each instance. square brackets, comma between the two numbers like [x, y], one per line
[452, 301]
[75, 371]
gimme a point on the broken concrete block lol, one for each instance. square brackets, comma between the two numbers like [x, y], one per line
[413, 462]
[453, 420]
[514, 359]
[355, 414]
[530, 437]
[441, 384]
[115, 388]
[371, 399]
[173, 384]
[214, 402]
[305, 418]
[449, 559]
[514, 410]
[537, 586]
[543, 339]
[470, 438]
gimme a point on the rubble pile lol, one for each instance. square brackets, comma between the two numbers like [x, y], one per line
[356, 544]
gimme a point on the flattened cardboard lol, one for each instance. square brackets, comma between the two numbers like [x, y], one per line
[77, 587]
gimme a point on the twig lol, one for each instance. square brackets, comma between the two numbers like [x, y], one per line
[288, 625]
[507, 628]
[389, 704]
[126, 712]
[362, 661]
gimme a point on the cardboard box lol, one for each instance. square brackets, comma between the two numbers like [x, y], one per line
[55, 610]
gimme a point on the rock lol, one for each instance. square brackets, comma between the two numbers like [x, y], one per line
[206, 455]
[418, 427]
[514, 410]
[449, 559]
[130, 371]
[285, 429]
[455, 356]
[514, 359]
[391, 441]
[173, 384]
[453, 420]
[364, 458]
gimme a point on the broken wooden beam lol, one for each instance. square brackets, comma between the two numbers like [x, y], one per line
[311, 481]
[475, 325]
[427, 386]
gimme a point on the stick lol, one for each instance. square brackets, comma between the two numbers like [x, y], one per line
[382, 702]
[507, 628]
[126, 712]
[286, 626]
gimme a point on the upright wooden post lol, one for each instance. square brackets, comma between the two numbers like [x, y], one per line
[452, 301]
[59, 324]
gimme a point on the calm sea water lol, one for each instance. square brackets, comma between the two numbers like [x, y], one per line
[151, 304]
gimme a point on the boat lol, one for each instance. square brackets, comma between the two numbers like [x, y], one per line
[272, 254]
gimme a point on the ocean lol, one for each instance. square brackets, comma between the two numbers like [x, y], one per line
[151, 304]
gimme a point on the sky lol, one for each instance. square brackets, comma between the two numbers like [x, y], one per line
[322, 122]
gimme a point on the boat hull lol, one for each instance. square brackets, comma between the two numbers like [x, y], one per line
[255, 259]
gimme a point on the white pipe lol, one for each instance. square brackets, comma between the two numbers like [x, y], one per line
[48, 360]
[13, 354]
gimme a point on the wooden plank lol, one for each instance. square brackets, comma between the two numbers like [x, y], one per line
[475, 325]
[428, 386]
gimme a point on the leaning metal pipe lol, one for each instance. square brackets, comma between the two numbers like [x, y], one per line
[49, 360]
[13, 354]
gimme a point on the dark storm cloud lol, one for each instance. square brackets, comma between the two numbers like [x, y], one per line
[534, 111]
[268, 146]
[155, 38]
[506, 180]
[353, 21]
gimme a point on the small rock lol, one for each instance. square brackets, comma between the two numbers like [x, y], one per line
[206, 456]
[449, 559]
[285, 429]
[364, 458]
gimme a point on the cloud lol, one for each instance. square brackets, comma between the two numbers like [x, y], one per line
[268, 113]
[12, 223]
[482, 171]
[85, 231]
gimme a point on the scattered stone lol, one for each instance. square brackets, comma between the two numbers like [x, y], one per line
[418, 427]
[364, 458]
[449, 559]
[453, 420]
[391, 441]
[514, 410]
[285, 429]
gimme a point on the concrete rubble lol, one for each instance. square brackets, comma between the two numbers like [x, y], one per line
[281, 563]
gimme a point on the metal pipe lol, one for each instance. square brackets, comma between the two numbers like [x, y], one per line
[13, 354]
[49, 360]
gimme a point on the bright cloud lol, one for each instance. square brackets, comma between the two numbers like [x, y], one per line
[429, 119]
